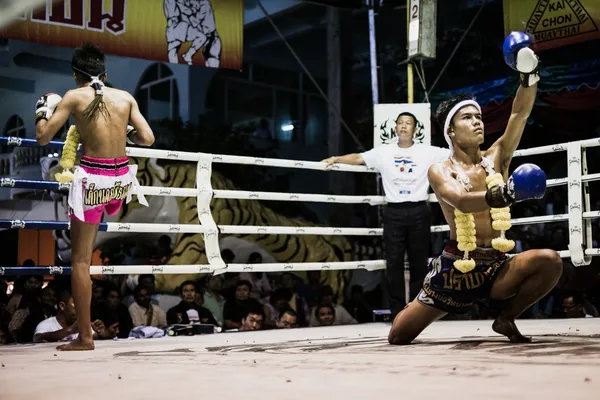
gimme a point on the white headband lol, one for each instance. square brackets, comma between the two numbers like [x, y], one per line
[453, 111]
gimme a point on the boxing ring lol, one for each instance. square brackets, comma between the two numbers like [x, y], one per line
[462, 357]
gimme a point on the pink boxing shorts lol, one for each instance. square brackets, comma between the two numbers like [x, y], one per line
[102, 184]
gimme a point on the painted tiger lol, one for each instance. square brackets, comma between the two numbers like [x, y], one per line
[189, 247]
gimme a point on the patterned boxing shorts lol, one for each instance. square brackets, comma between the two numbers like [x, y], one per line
[102, 184]
[449, 290]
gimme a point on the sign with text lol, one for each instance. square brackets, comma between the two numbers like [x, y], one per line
[386, 115]
[194, 32]
[553, 23]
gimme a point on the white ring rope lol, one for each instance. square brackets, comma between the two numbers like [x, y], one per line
[576, 216]
[227, 159]
[240, 229]
[371, 265]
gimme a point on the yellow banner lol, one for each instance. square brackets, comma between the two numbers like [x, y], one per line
[553, 23]
[194, 32]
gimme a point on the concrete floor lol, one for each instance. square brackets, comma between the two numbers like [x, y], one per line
[450, 360]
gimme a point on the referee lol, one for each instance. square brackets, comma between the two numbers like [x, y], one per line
[407, 219]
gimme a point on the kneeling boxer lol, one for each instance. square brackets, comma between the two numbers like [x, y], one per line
[104, 178]
[475, 196]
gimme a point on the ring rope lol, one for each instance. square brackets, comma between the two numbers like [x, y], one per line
[202, 192]
[196, 228]
[370, 265]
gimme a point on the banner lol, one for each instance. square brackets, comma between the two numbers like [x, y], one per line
[553, 23]
[194, 32]
[385, 116]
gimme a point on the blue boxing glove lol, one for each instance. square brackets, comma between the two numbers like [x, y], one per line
[520, 57]
[527, 182]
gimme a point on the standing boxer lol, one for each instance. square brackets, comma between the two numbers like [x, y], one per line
[475, 202]
[103, 179]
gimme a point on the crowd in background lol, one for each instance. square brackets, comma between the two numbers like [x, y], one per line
[129, 306]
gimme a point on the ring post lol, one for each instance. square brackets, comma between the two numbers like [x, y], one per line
[204, 197]
[575, 201]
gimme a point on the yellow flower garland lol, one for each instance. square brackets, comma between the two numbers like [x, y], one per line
[466, 234]
[69, 153]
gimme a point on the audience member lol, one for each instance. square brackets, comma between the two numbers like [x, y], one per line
[213, 299]
[287, 319]
[143, 312]
[253, 318]
[235, 309]
[187, 311]
[114, 313]
[342, 317]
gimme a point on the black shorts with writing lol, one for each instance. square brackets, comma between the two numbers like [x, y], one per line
[448, 289]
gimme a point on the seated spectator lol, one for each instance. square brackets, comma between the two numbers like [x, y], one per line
[259, 280]
[22, 285]
[213, 298]
[143, 312]
[235, 309]
[342, 317]
[278, 302]
[577, 306]
[297, 302]
[287, 319]
[324, 315]
[311, 290]
[187, 311]
[253, 318]
[357, 305]
[63, 327]
[147, 281]
[30, 302]
[113, 313]
[38, 309]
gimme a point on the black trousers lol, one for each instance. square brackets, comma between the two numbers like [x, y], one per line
[406, 228]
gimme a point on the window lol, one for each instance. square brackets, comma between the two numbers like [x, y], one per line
[278, 103]
[14, 127]
[157, 94]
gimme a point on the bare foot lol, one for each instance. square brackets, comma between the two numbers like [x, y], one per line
[508, 328]
[77, 345]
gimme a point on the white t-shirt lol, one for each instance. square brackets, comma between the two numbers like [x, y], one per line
[404, 170]
[51, 325]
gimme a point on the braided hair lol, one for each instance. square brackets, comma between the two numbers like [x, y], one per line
[89, 64]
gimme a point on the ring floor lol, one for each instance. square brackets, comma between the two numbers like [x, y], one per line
[450, 360]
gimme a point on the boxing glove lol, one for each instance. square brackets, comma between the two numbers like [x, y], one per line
[45, 106]
[131, 132]
[520, 57]
[527, 182]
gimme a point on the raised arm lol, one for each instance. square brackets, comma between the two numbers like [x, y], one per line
[521, 58]
[51, 116]
[142, 133]
[521, 109]
[448, 189]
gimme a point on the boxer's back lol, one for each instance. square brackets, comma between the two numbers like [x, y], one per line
[105, 135]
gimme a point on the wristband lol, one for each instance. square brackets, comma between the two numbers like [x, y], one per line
[496, 198]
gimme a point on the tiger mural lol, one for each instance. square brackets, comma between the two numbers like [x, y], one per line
[189, 247]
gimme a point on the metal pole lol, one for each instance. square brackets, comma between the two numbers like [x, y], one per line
[409, 66]
[375, 92]
[373, 51]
